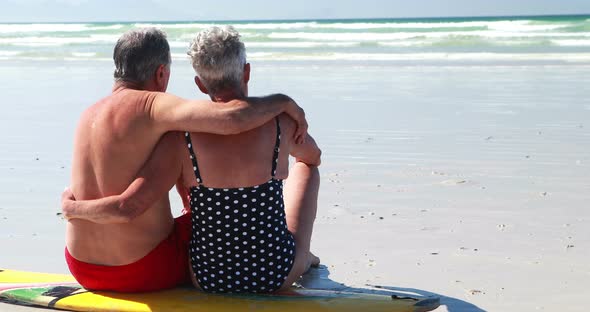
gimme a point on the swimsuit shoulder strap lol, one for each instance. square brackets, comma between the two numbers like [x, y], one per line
[275, 157]
[189, 144]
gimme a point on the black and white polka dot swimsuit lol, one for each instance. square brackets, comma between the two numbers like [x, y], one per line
[240, 241]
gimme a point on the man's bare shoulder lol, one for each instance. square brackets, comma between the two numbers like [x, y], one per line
[128, 101]
[96, 109]
[141, 100]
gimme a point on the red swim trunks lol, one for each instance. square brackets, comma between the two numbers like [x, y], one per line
[164, 267]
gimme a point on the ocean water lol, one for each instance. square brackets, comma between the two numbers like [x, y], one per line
[558, 38]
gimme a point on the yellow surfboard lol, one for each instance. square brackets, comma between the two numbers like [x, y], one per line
[61, 292]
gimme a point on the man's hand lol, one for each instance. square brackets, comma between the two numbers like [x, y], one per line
[298, 115]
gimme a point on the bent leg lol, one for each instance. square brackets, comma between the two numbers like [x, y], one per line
[301, 202]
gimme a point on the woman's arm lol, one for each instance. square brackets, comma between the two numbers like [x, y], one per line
[308, 153]
[155, 179]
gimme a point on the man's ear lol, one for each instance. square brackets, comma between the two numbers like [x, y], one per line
[246, 72]
[201, 85]
[161, 77]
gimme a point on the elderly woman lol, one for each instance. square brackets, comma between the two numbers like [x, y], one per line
[248, 234]
[242, 240]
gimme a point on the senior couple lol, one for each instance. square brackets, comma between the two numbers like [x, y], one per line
[241, 230]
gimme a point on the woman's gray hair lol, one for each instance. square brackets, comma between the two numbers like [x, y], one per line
[218, 57]
[138, 54]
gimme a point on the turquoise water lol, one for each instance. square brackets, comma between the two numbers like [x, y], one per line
[496, 38]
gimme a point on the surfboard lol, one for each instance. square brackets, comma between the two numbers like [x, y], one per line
[59, 291]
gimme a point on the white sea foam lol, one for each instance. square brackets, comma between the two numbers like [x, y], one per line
[175, 26]
[514, 43]
[275, 25]
[430, 42]
[524, 25]
[110, 27]
[371, 36]
[58, 41]
[188, 37]
[571, 43]
[10, 53]
[400, 25]
[239, 26]
[24, 28]
[179, 44]
[343, 36]
[299, 44]
[508, 34]
[521, 25]
[179, 56]
[25, 57]
[404, 43]
[84, 54]
[102, 59]
[262, 55]
[573, 57]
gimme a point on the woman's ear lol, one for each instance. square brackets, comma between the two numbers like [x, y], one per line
[201, 85]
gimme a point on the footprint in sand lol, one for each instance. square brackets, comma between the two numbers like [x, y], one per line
[454, 182]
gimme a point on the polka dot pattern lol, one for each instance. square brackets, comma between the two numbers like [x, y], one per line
[247, 249]
[240, 241]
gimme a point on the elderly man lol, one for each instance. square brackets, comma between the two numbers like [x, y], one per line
[113, 140]
[230, 163]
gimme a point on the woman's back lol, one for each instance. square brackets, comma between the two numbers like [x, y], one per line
[239, 160]
[240, 241]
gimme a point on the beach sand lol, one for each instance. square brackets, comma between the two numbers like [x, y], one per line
[468, 182]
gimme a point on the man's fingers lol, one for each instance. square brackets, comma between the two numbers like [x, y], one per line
[299, 136]
[298, 115]
[301, 133]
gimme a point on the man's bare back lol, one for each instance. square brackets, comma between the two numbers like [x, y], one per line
[113, 139]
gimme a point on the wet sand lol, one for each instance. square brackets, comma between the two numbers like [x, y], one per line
[465, 182]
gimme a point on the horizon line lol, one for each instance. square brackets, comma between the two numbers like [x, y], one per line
[581, 15]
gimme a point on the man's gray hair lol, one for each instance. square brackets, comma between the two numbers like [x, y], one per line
[218, 57]
[138, 54]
